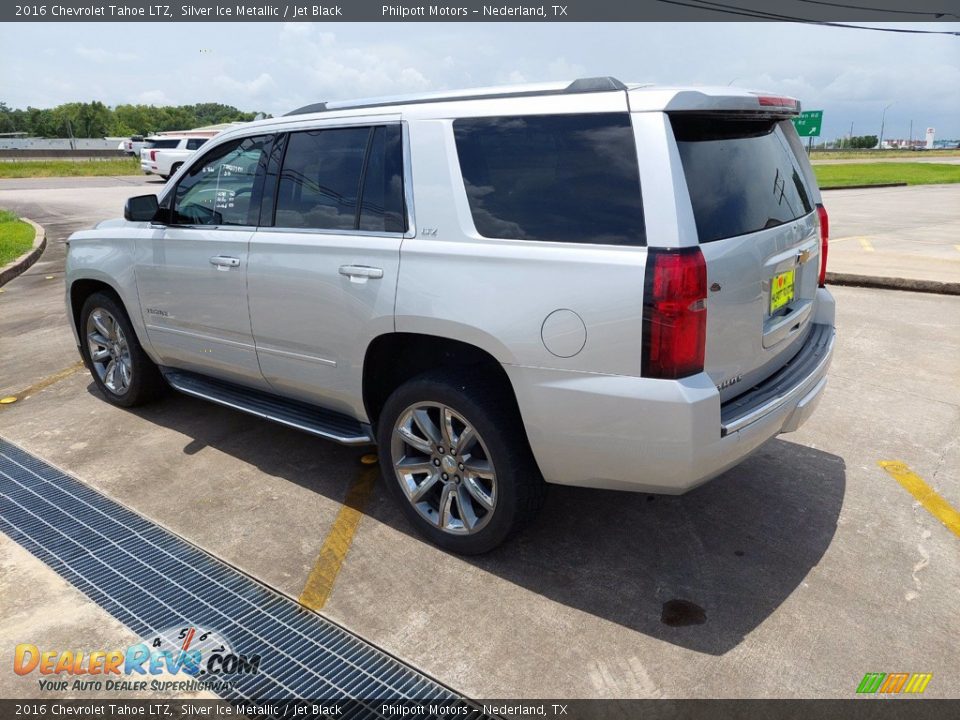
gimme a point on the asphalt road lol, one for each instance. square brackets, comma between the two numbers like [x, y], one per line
[809, 563]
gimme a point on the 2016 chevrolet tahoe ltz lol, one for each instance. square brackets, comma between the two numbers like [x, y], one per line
[596, 284]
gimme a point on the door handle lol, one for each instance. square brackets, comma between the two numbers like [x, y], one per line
[224, 262]
[360, 273]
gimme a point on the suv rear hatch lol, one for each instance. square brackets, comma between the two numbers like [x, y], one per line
[157, 144]
[755, 206]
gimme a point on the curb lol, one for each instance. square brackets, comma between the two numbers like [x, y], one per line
[863, 187]
[14, 268]
[893, 283]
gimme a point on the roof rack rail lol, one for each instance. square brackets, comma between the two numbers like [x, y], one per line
[581, 85]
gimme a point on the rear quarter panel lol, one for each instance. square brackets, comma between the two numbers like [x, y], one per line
[497, 294]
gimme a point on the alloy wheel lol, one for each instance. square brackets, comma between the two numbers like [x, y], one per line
[109, 351]
[444, 468]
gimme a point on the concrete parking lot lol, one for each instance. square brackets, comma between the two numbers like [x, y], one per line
[906, 232]
[789, 576]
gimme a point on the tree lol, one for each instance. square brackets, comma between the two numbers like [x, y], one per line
[863, 142]
[94, 119]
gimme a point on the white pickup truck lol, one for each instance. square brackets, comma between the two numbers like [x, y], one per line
[163, 156]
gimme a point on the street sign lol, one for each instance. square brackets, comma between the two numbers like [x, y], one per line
[808, 123]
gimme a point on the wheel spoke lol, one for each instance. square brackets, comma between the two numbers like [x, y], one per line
[98, 338]
[415, 465]
[109, 375]
[480, 468]
[478, 493]
[446, 425]
[104, 326]
[413, 440]
[124, 375]
[426, 425]
[465, 507]
[446, 504]
[423, 488]
[100, 354]
[466, 440]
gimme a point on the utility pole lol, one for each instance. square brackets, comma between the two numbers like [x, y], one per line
[883, 120]
[851, 134]
[911, 135]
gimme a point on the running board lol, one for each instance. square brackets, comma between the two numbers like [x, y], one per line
[309, 418]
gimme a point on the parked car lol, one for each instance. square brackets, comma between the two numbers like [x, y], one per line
[595, 284]
[132, 145]
[163, 156]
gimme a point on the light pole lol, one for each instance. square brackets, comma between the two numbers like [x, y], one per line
[883, 119]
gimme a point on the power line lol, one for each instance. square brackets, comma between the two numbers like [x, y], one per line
[872, 9]
[747, 12]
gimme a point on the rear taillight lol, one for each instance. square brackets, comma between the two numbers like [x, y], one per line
[153, 156]
[674, 313]
[824, 242]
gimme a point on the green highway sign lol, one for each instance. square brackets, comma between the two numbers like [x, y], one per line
[808, 123]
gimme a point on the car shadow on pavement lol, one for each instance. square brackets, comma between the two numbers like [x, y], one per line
[699, 570]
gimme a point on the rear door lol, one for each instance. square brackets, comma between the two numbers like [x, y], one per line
[754, 204]
[324, 263]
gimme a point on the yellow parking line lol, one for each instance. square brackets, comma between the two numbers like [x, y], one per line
[335, 547]
[926, 495]
[43, 384]
[957, 247]
[865, 244]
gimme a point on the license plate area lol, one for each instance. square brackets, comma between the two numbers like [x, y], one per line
[782, 290]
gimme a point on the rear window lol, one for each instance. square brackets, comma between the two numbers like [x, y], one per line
[742, 175]
[565, 178]
[161, 144]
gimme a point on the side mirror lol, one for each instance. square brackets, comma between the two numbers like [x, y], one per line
[142, 208]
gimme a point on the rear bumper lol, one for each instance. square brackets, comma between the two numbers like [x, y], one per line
[666, 436]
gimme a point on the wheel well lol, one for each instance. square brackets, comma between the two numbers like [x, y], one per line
[393, 359]
[80, 290]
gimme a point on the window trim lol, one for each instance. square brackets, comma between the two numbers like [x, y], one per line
[167, 202]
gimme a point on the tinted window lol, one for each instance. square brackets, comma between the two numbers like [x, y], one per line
[161, 144]
[382, 207]
[742, 175]
[195, 143]
[568, 178]
[222, 188]
[320, 179]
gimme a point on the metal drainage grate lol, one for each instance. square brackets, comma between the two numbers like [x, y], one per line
[152, 580]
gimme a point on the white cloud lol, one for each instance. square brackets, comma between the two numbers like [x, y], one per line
[99, 55]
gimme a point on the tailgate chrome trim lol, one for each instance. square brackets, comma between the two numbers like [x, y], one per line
[789, 383]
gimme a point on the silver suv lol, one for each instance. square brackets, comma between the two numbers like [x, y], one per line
[595, 284]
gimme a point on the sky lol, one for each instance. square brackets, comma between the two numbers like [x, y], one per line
[852, 75]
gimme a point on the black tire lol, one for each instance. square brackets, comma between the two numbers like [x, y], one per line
[145, 382]
[520, 488]
[173, 170]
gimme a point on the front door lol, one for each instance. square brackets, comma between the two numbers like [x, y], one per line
[192, 272]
